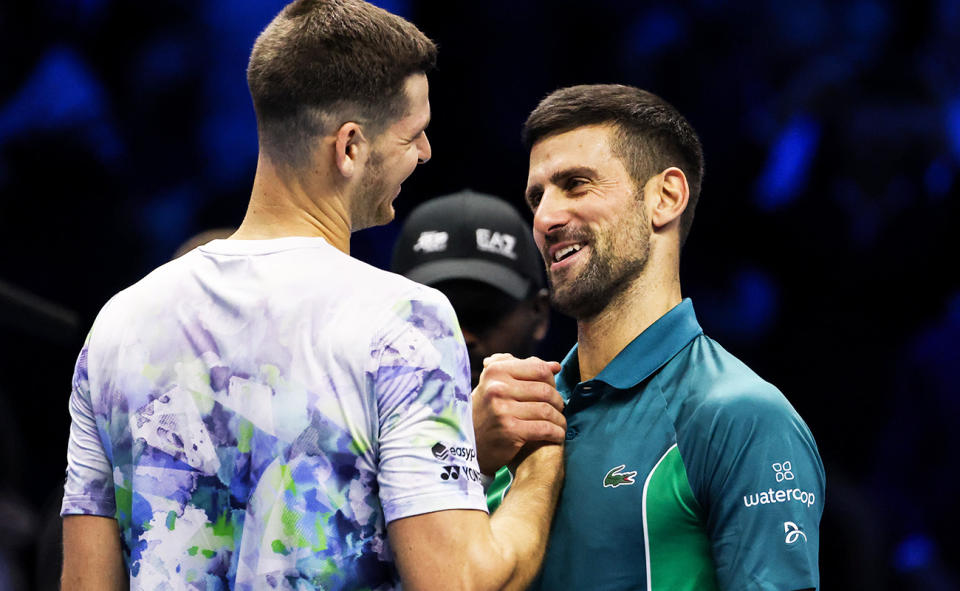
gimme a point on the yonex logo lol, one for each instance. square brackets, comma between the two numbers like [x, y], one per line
[784, 471]
[615, 477]
[455, 472]
[793, 532]
[431, 241]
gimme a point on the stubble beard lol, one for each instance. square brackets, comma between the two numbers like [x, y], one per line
[369, 194]
[607, 273]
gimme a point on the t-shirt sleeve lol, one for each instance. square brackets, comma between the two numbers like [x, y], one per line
[427, 452]
[762, 483]
[88, 489]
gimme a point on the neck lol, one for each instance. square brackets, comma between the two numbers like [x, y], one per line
[643, 302]
[284, 205]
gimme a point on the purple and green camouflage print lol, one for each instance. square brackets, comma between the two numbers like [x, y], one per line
[254, 413]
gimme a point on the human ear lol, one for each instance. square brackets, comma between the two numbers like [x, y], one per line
[668, 197]
[349, 148]
[541, 311]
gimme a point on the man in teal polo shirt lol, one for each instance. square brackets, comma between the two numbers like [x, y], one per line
[685, 470]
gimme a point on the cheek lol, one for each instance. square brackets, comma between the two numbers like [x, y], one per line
[411, 155]
[399, 162]
[538, 239]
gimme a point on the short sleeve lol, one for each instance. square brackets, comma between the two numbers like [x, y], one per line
[762, 484]
[88, 489]
[427, 452]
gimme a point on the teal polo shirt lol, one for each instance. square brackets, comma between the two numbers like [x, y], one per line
[684, 470]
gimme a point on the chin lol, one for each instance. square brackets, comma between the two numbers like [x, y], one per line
[386, 216]
[383, 214]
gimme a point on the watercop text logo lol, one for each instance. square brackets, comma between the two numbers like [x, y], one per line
[780, 496]
[783, 472]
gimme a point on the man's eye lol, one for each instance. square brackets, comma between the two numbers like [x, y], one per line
[533, 200]
[575, 182]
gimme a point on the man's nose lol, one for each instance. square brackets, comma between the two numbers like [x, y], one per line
[424, 150]
[552, 212]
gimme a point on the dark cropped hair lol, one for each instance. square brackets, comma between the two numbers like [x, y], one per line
[321, 63]
[651, 134]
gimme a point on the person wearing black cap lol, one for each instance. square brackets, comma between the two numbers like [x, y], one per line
[479, 252]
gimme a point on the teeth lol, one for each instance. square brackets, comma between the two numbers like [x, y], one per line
[565, 251]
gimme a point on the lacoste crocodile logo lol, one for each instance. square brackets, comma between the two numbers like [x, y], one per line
[615, 477]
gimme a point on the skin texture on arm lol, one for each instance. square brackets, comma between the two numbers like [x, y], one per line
[517, 403]
[92, 557]
[466, 550]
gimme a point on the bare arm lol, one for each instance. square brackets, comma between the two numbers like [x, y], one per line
[92, 558]
[466, 550]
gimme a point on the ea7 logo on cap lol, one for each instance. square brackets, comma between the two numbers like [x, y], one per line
[489, 241]
[431, 241]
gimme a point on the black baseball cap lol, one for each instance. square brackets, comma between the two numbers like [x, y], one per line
[469, 235]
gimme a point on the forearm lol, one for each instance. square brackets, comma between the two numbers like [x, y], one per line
[521, 526]
[482, 553]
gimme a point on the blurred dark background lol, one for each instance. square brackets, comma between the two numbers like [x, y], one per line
[824, 251]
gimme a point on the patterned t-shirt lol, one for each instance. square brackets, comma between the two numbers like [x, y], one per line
[254, 413]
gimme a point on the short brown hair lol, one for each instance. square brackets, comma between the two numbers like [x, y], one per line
[652, 134]
[321, 63]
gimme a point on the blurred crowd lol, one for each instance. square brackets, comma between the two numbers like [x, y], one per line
[832, 142]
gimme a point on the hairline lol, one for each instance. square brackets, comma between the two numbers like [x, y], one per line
[618, 140]
[336, 116]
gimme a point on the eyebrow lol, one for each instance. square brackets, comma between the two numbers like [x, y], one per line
[559, 176]
[425, 125]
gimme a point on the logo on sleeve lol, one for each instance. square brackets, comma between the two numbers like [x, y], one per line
[793, 532]
[455, 472]
[783, 471]
[615, 477]
[442, 452]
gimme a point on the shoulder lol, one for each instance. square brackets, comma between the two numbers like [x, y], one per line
[368, 285]
[733, 426]
[151, 291]
[719, 385]
[722, 408]
[409, 303]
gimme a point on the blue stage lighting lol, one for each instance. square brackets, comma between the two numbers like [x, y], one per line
[788, 167]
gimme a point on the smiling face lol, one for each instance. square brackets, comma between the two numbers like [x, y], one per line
[394, 154]
[589, 219]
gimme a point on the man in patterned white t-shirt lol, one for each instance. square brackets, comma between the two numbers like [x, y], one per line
[266, 412]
